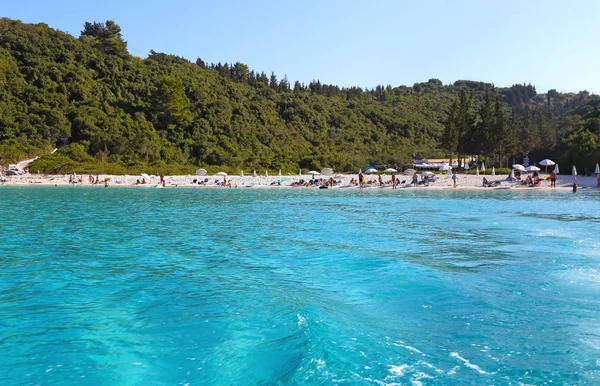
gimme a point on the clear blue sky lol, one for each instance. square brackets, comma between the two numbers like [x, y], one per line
[551, 44]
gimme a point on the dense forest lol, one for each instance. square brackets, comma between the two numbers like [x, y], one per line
[109, 111]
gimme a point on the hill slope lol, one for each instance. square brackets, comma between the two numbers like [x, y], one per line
[119, 113]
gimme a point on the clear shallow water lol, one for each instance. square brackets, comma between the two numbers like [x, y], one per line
[250, 286]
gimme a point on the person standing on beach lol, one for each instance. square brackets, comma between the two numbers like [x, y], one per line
[454, 178]
[361, 179]
[553, 180]
[380, 180]
[393, 180]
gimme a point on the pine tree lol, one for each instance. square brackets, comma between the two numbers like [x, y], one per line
[273, 81]
[450, 139]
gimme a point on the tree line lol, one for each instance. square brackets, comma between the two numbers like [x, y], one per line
[108, 109]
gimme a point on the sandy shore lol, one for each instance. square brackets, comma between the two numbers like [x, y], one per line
[442, 182]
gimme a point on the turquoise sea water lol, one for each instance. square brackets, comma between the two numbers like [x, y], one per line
[126, 286]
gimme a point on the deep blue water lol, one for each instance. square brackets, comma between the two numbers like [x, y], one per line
[126, 286]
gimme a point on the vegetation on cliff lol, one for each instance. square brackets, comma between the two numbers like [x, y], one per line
[110, 111]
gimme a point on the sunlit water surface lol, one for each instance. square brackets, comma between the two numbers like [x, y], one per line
[125, 286]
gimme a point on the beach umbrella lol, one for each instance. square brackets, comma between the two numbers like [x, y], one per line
[314, 173]
[279, 174]
[512, 175]
[493, 171]
[327, 171]
[390, 170]
[532, 168]
[266, 173]
[483, 167]
[242, 174]
[221, 174]
[597, 171]
[300, 172]
[449, 171]
[466, 167]
[477, 171]
[427, 173]
[199, 172]
[556, 169]
[409, 172]
[519, 167]
[574, 171]
[546, 162]
[145, 176]
[371, 171]
[254, 173]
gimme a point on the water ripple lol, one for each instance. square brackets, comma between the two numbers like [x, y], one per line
[257, 286]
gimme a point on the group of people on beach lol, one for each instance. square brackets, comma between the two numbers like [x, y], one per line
[362, 181]
[74, 179]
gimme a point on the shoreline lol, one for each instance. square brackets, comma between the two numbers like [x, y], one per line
[443, 182]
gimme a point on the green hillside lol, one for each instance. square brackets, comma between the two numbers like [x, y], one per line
[109, 111]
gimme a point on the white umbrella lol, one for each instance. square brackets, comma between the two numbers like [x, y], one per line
[254, 173]
[519, 167]
[512, 175]
[266, 173]
[300, 172]
[199, 172]
[327, 171]
[445, 167]
[532, 168]
[427, 173]
[597, 171]
[371, 171]
[221, 174]
[493, 171]
[556, 171]
[483, 167]
[242, 174]
[145, 176]
[477, 171]
[390, 170]
[574, 171]
[466, 167]
[314, 173]
[409, 172]
[546, 162]
[279, 174]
